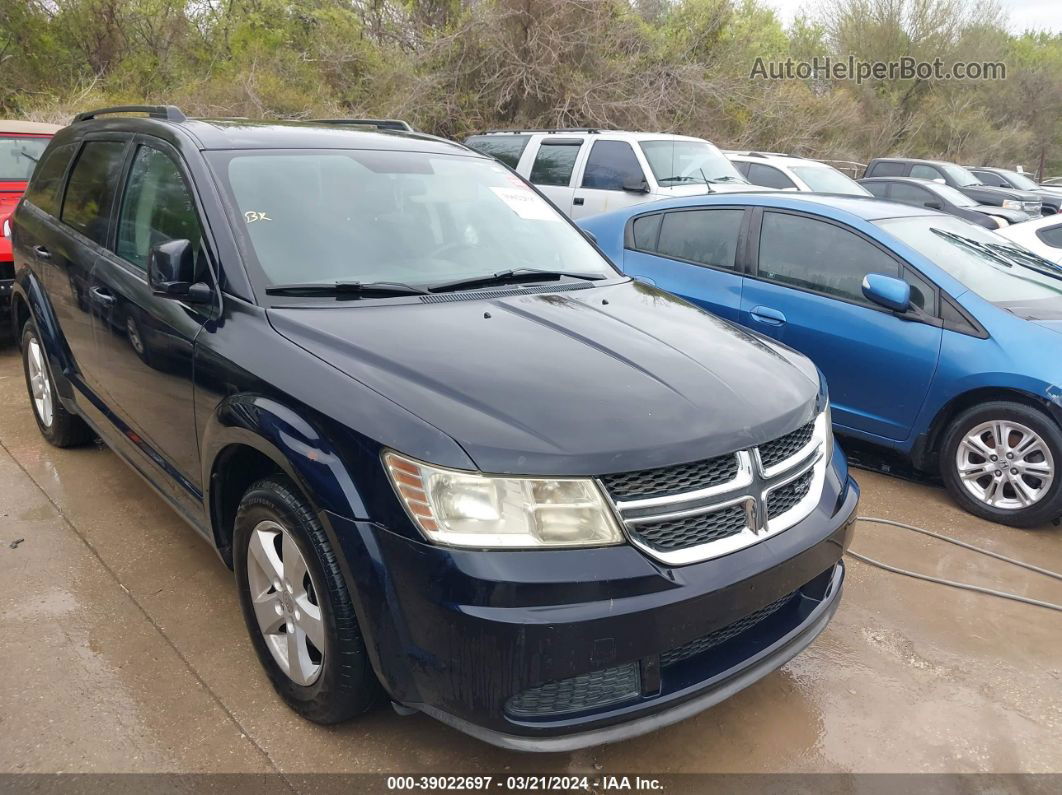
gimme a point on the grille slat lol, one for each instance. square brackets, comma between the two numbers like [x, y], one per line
[691, 531]
[671, 480]
[586, 691]
[722, 635]
[786, 446]
[785, 497]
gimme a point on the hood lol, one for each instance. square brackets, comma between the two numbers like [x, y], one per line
[991, 194]
[571, 382]
[1014, 216]
[1053, 325]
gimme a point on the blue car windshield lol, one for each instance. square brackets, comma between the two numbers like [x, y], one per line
[324, 216]
[991, 266]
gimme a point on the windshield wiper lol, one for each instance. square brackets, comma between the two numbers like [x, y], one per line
[345, 289]
[976, 246]
[679, 178]
[728, 178]
[512, 275]
[1027, 258]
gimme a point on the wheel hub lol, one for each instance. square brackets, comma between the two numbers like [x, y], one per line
[285, 602]
[1005, 464]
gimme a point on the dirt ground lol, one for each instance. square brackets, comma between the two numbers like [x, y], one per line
[123, 649]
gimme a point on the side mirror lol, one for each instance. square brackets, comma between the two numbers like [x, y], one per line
[171, 269]
[636, 187]
[887, 291]
[933, 204]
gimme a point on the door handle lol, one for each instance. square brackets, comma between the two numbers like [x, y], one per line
[578, 201]
[101, 295]
[765, 314]
[42, 252]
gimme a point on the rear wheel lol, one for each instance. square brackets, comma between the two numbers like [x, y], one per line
[297, 607]
[59, 426]
[1001, 462]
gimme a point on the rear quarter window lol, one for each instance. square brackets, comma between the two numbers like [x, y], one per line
[43, 190]
[506, 148]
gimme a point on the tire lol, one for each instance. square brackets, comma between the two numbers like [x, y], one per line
[60, 427]
[1028, 493]
[326, 685]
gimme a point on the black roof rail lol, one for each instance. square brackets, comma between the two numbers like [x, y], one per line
[380, 124]
[167, 112]
[591, 130]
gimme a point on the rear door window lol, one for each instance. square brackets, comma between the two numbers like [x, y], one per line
[506, 148]
[611, 165]
[879, 189]
[555, 161]
[818, 256]
[919, 171]
[991, 178]
[888, 169]
[769, 177]
[91, 189]
[707, 237]
[44, 189]
[910, 194]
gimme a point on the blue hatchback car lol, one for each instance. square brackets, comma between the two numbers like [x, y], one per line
[938, 339]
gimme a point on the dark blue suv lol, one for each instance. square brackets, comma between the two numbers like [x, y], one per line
[452, 455]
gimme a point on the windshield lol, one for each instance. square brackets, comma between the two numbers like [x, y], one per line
[19, 156]
[322, 216]
[993, 267]
[675, 162]
[963, 177]
[1021, 181]
[827, 179]
[954, 195]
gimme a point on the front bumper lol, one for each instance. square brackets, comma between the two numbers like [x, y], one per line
[462, 635]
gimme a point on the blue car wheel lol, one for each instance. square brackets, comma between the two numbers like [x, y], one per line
[1001, 462]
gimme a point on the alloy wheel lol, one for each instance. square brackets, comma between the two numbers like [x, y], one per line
[285, 602]
[1005, 465]
[40, 383]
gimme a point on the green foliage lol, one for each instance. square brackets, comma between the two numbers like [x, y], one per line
[453, 66]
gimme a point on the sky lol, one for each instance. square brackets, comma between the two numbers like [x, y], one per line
[1024, 14]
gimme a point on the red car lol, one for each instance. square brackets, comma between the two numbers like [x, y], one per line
[21, 146]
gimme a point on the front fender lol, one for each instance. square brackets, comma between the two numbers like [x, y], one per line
[293, 443]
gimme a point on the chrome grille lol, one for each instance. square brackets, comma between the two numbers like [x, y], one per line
[693, 512]
[783, 498]
[773, 453]
[722, 635]
[671, 480]
[693, 530]
[586, 691]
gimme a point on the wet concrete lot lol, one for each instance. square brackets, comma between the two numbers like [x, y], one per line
[123, 649]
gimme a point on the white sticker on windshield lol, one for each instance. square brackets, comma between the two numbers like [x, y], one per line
[526, 204]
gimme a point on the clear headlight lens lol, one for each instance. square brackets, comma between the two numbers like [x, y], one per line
[468, 509]
[1011, 204]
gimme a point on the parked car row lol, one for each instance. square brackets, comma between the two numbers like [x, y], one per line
[554, 485]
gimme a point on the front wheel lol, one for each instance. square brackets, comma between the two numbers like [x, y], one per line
[1001, 460]
[297, 607]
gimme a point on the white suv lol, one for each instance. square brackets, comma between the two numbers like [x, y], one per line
[783, 172]
[585, 171]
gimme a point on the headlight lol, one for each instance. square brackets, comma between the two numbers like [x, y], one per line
[1011, 204]
[468, 509]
